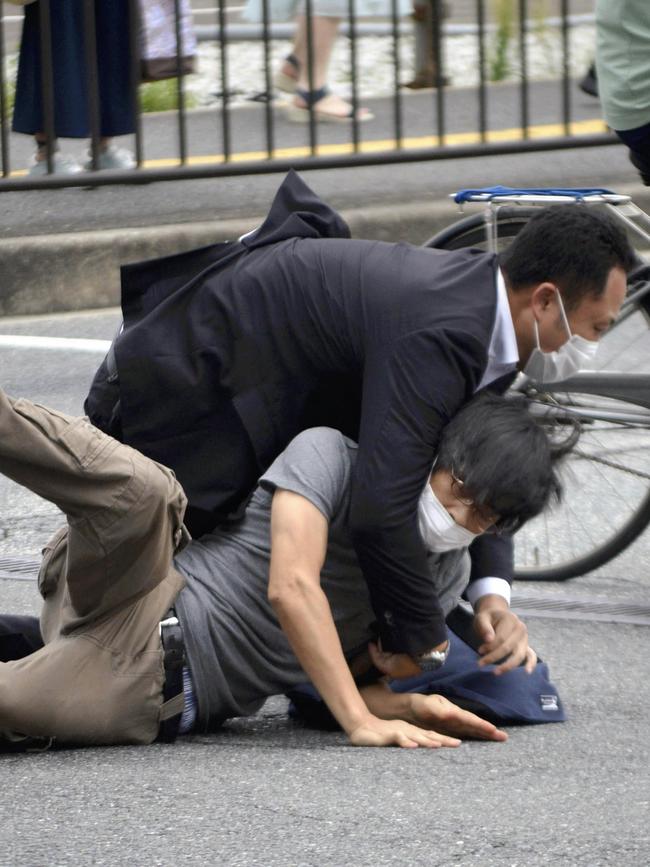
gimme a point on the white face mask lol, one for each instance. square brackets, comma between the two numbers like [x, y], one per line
[438, 529]
[572, 356]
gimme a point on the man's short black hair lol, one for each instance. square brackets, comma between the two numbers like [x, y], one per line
[503, 457]
[572, 246]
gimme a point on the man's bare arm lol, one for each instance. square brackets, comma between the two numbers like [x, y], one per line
[298, 546]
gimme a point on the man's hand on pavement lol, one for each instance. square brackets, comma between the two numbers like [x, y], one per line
[450, 719]
[377, 732]
[504, 636]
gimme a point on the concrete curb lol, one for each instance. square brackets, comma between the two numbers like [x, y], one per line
[80, 270]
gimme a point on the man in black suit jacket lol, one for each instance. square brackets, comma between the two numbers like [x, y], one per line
[229, 351]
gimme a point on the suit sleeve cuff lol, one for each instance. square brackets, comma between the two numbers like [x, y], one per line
[498, 586]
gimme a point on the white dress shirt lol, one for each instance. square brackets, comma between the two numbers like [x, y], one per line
[503, 356]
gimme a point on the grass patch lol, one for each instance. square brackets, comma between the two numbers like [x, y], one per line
[163, 96]
[505, 15]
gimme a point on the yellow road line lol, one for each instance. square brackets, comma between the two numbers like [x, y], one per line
[582, 127]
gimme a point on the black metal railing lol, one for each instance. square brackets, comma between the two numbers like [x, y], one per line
[221, 139]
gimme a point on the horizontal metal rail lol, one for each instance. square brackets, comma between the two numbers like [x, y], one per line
[237, 31]
[259, 167]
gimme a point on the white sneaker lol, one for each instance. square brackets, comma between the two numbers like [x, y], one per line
[60, 166]
[112, 157]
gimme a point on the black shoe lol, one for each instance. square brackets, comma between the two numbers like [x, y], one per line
[589, 83]
[13, 743]
[642, 166]
[425, 79]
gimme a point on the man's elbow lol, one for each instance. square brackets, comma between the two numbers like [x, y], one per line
[285, 593]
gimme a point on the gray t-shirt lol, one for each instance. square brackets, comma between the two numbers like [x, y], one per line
[238, 653]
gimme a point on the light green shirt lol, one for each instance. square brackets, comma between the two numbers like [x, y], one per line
[623, 61]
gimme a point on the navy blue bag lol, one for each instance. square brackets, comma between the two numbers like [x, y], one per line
[514, 698]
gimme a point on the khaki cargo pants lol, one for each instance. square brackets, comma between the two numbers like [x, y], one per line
[107, 580]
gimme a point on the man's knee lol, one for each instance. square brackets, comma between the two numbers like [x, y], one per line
[165, 502]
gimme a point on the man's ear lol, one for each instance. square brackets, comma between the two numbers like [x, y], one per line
[542, 299]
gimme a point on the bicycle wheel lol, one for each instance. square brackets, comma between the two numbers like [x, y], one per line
[606, 479]
[472, 231]
[607, 501]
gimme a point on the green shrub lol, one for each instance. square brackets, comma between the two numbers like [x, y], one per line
[504, 16]
[163, 96]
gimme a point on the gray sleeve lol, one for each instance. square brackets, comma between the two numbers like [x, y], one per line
[316, 464]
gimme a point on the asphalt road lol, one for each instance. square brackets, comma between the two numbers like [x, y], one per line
[267, 792]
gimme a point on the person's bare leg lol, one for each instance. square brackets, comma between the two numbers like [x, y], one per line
[324, 36]
[41, 147]
[287, 77]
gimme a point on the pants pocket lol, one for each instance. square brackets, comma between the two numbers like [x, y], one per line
[52, 563]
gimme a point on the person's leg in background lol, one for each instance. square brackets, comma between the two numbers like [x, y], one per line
[314, 90]
[116, 108]
[426, 51]
[107, 581]
[69, 82]
[638, 143]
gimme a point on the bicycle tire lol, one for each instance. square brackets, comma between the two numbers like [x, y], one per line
[471, 232]
[612, 538]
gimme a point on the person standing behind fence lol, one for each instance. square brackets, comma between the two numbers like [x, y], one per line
[70, 83]
[293, 76]
[623, 67]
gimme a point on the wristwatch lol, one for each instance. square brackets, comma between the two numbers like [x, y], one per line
[431, 660]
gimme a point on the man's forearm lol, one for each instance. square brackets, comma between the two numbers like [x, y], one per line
[386, 704]
[306, 618]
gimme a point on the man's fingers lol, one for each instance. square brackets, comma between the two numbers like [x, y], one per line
[384, 733]
[403, 740]
[468, 725]
[505, 638]
[508, 650]
[484, 628]
[453, 720]
[531, 660]
[526, 658]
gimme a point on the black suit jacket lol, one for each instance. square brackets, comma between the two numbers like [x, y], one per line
[297, 325]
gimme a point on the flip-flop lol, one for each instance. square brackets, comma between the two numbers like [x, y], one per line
[301, 113]
[285, 82]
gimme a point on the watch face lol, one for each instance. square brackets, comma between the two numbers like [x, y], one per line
[431, 661]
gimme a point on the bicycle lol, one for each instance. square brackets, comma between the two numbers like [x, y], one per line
[609, 467]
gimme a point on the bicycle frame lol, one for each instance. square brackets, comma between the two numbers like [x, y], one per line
[632, 388]
[622, 208]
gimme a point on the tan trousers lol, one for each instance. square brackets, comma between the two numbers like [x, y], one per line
[107, 580]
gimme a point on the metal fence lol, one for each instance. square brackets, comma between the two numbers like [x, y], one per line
[446, 121]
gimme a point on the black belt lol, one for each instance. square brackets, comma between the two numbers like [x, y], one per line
[171, 638]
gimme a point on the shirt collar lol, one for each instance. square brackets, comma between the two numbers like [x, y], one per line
[503, 354]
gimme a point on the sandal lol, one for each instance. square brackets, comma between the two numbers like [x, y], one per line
[301, 113]
[283, 80]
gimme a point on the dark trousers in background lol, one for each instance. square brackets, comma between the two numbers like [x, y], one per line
[638, 142]
[71, 100]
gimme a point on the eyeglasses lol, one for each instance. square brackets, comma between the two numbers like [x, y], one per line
[484, 516]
